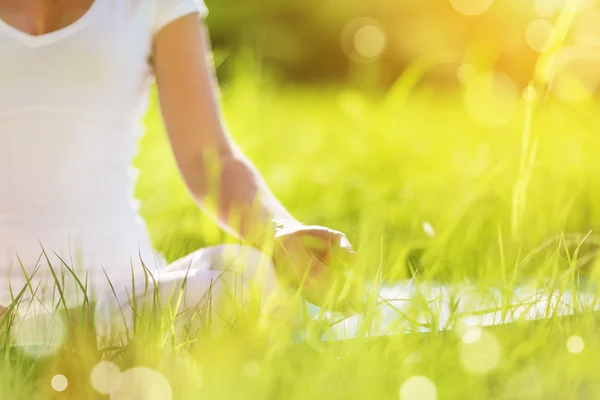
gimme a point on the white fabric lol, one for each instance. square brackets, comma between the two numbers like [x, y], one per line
[71, 104]
[212, 284]
[205, 290]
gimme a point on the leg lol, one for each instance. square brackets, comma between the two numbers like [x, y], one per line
[205, 289]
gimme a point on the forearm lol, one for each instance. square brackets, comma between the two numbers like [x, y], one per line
[232, 190]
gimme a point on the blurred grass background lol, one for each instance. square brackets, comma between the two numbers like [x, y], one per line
[406, 125]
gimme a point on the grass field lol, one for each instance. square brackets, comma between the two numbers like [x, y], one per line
[423, 190]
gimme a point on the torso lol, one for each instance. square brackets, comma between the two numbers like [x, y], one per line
[73, 89]
[40, 17]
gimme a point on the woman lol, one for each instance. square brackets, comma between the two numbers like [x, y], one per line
[74, 79]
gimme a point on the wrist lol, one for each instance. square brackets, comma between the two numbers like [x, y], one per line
[265, 235]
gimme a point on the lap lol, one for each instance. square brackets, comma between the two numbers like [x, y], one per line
[201, 281]
[223, 277]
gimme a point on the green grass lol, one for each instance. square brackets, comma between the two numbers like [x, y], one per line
[422, 191]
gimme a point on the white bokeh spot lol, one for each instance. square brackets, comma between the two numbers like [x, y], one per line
[418, 388]
[370, 41]
[363, 40]
[471, 334]
[575, 344]
[104, 376]
[428, 229]
[482, 355]
[471, 7]
[540, 35]
[59, 382]
[141, 383]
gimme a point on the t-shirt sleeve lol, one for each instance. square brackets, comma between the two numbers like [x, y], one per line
[167, 11]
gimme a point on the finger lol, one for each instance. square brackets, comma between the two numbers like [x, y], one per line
[345, 243]
[341, 250]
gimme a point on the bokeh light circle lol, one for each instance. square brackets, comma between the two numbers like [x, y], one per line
[142, 383]
[471, 7]
[492, 99]
[575, 344]
[481, 356]
[472, 334]
[104, 376]
[369, 41]
[59, 383]
[363, 40]
[540, 35]
[39, 331]
[418, 388]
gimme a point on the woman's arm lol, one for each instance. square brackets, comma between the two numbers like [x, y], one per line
[221, 179]
[224, 182]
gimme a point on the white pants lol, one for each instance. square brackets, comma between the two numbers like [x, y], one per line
[206, 289]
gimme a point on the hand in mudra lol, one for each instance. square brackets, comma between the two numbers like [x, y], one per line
[318, 262]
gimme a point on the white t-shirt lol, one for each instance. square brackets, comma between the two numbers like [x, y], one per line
[71, 104]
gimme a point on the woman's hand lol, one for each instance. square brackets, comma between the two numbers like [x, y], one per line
[318, 262]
